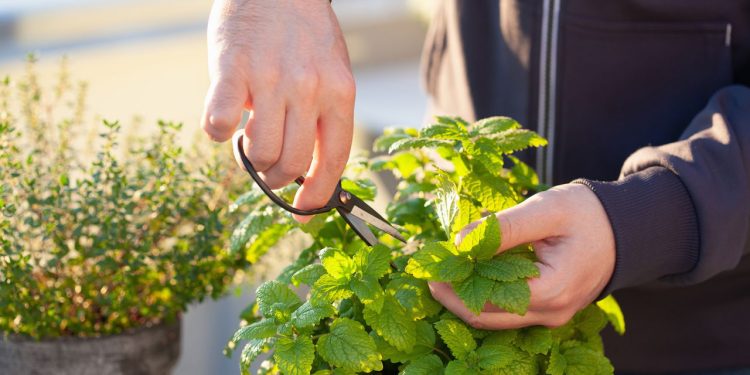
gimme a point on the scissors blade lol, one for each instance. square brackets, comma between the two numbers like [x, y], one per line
[377, 222]
[360, 227]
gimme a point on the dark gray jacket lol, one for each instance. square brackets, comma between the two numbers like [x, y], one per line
[652, 96]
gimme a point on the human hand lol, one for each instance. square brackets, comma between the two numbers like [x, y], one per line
[574, 243]
[286, 62]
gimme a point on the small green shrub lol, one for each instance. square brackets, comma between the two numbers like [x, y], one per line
[370, 309]
[99, 238]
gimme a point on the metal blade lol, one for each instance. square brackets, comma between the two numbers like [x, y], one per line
[360, 227]
[377, 223]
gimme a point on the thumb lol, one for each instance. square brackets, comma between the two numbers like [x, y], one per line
[223, 107]
[532, 220]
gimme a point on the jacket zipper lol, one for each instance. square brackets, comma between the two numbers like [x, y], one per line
[547, 87]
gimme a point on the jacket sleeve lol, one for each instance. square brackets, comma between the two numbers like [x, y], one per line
[680, 212]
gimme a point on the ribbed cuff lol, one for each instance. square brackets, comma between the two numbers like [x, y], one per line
[654, 224]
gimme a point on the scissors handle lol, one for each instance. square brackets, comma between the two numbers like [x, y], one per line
[333, 202]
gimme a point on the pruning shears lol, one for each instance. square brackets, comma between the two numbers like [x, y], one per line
[354, 210]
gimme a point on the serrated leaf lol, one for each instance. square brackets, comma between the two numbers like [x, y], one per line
[384, 142]
[523, 175]
[363, 189]
[584, 361]
[436, 262]
[446, 206]
[392, 323]
[467, 214]
[459, 367]
[444, 130]
[506, 337]
[261, 329]
[373, 261]
[522, 364]
[330, 289]
[557, 363]
[414, 295]
[265, 240]
[337, 264]
[250, 226]
[347, 345]
[492, 192]
[507, 267]
[369, 291]
[493, 357]
[250, 352]
[614, 314]
[513, 140]
[273, 295]
[458, 338]
[535, 340]
[474, 291]
[590, 321]
[247, 199]
[309, 314]
[423, 346]
[426, 365]
[493, 125]
[483, 241]
[309, 274]
[416, 143]
[294, 356]
[511, 296]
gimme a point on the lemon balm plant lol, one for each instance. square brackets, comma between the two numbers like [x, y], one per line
[369, 309]
[100, 239]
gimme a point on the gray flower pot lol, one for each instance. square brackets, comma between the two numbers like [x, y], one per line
[143, 351]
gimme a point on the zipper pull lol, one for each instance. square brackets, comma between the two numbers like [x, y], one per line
[728, 35]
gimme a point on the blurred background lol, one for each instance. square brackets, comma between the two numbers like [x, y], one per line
[146, 59]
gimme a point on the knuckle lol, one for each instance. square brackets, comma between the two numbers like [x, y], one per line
[507, 227]
[344, 88]
[304, 81]
[262, 159]
[266, 76]
[560, 301]
[291, 168]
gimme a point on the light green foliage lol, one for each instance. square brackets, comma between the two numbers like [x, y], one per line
[106, 227]
[369, 309]
[294, 356]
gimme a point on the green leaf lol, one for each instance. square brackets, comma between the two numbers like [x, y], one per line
[330, 289]
[250, 352]
[506, 337]
[557, 363]
[493, 357]
[522, 363]
[294, 356]
[373, 261]
[392, 323]
[250, 226]
[310, 314]
[590, 321]
[391, 136]
[436, 262]
[484, 240]
[446, 205]
[511, 296]
[450, 131]
[423, 346]
[491, 191]
[513, 140]
[416, 143]
[249, 198]
[414, 295]
[347, 345]
[308, 275]
[337, 264]
[272, 294]
[261, 329]
[363, 189]
[507, 267]
[369, 291]
[467, 214]
[459, 367]
[427, 365]
[474, 291]
[521, 174]
[584, 361]
[265, 240]
[535, 340]
[458, 338]
[493, 125]
[614, 314]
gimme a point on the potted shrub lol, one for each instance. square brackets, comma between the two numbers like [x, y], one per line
[102, 246]
[370, 310]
